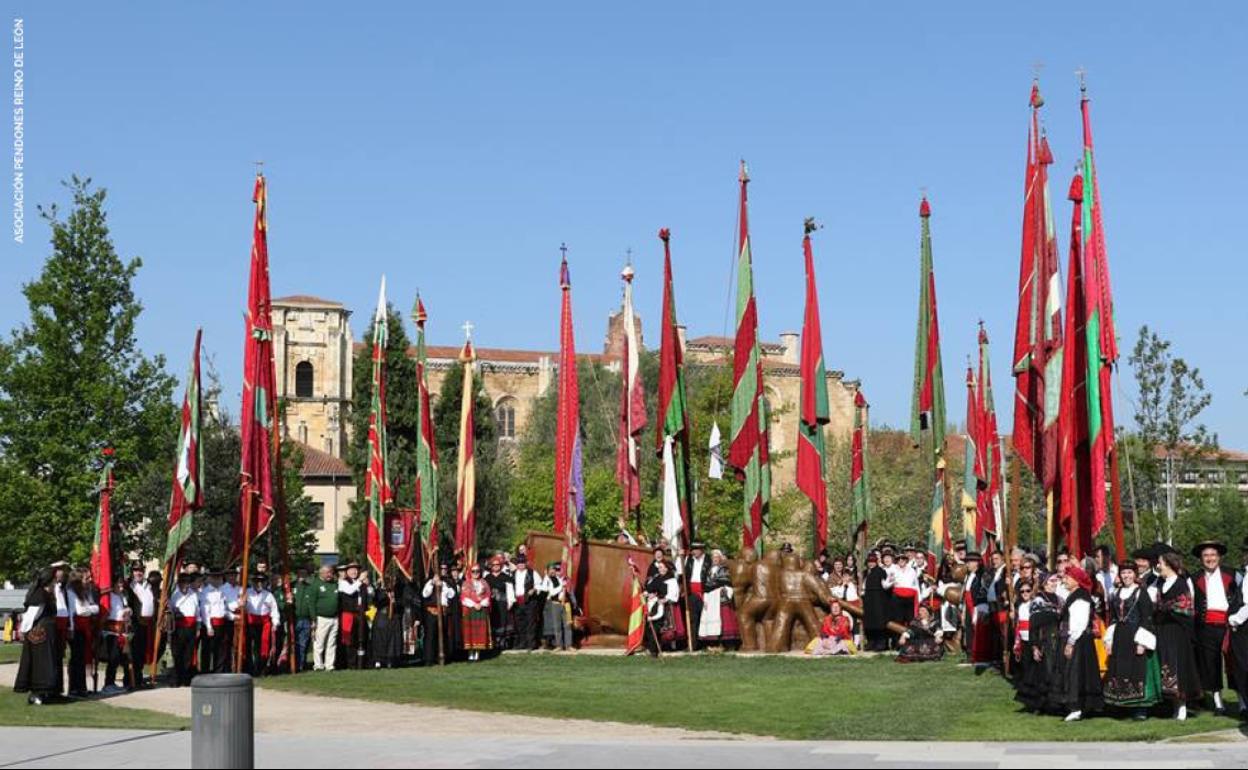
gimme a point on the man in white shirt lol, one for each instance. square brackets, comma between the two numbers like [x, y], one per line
[555, 627]
[1216, 599]
[214, 615]
[525, 586]
[185, 612]
[144, 594]
[262, 616]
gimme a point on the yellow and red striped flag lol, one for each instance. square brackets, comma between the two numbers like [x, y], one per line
[636, 614]
[465, 468]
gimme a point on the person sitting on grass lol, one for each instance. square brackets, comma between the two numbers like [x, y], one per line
[836, 636]
[923, 639]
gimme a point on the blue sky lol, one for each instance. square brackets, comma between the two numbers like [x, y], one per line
[454, 148]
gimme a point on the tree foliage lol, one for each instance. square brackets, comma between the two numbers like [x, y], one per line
[72, 381]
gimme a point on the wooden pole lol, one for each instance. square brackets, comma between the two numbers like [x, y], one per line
[162, 605]
[284, 544]
[240, 624]
[1120, 543]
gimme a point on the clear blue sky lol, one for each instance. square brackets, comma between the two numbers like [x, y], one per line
[454, 151]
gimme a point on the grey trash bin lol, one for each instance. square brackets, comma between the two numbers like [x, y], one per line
[222, 721]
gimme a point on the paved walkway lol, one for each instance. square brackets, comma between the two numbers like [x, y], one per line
[70, 748]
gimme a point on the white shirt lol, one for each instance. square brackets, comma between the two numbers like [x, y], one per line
[1215, 592]
[1241, 615]
[212, 603]
[553, 588]
[62, 601]
[118, 610]
[448, 592]
[262, 603]
[83, 607]
[519, 578]
[1080, 612]
[348, 587]
[147, 603]
[1024, 616]
[185, 603]
[906, 577]
[230, 594]
[695, 570]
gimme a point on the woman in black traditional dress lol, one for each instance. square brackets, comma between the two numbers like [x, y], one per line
[665, 629]
[1078, 687]
[1041, 648]
[1173, 622]
[922, 640]
[502, 597]
[1133, 680]
[39, 671]
[386, 641]
[876, 600]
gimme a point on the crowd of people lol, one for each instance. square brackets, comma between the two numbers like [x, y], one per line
[1084, 636]
[71, 627]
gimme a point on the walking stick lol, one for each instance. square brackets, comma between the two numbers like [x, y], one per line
[437, 604]
[162, 605]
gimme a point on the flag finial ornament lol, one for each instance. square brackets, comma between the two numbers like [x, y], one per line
[665, 234]
[925, 208]
[810, 225]
[744, 176]
[627, 273]
[1082, 73]
[565, 277]
[468, 327]
[418, 312]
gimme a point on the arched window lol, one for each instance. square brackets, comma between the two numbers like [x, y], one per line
[505, 416]
[303, 380]
[303, 433]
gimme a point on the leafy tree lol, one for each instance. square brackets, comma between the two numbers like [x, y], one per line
[401, 426]
[1172, 396]
[73, 380]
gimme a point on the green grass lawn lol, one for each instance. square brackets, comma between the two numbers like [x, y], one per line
[845, 699]
[14, 712]
[10, 653]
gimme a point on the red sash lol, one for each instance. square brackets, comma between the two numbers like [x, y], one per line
[1024, 625]
[85, 625]
[908, 593]
[696, 589]
[217, 622]
[1215, 618]
[186, 622]
[346, 625]
[266, 632]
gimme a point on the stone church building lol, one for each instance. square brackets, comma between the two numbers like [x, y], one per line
[314, 347]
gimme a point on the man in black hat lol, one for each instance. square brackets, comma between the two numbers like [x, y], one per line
[214, 651]
[1144, 560]
[352, 624]
[185, 613]
[697, 573]
[1216, 598]
[440, 625]
[144, 594]
[525, 585]
[977, 637]
[261, 616]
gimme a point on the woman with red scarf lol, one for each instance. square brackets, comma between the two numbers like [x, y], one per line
[1078, 685]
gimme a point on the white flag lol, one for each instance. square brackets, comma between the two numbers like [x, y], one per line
[673, 526]
[717, 455]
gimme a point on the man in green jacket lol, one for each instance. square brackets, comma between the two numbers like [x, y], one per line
[324, 600]
[305, 616]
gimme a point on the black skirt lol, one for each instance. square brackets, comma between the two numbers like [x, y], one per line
[39, 670]
[1130, 680]
[386, 642]
[1180, 680]
[1039, 677]
[1079, 678]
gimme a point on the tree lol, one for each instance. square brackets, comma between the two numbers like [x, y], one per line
[73, 380]
[401, 427]
[1172, 396]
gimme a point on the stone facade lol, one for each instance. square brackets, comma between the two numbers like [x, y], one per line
[314, 349]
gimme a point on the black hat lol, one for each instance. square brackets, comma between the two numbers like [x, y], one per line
[1126, 564]
[259, 576]
[1216, 545]
[1144, 553]
[156, 576]
[185, 577]
[887, 550]
[215, 572]
[136, 566]
[912, 546]
[697, 545]
[1159, 549]
[960, 543]
[973, 556]
[351, 564]
[521, 559]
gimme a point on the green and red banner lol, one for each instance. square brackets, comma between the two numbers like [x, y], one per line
[861, 511]
[673, 403]
[377, 488]
[813, 413]
[927, 410]
[426, 499]
[259, 407]
[990, 498]
[1038, 331]
[748, 450]
[188, 474]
